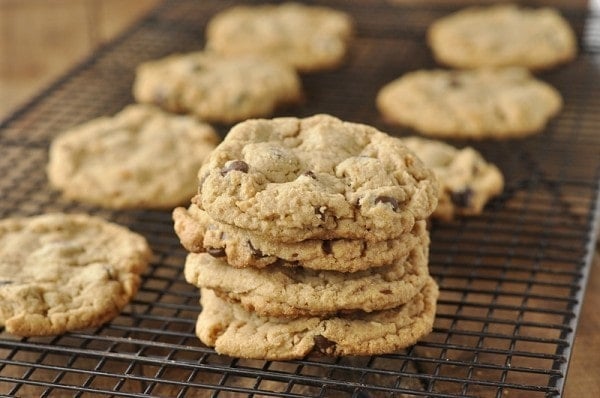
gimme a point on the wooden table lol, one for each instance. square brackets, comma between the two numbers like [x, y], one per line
[40, 41]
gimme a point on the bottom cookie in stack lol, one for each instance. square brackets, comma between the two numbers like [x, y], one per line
[235, 331]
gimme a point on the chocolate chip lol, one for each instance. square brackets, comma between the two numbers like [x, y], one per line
[324, 345]
[285, 263]
[462, 198]
[310, 174]
[235, 165]
[2, 283]
[255, 252]
[388, 199]
[216, 251]
[386, 291]
[110, 274]
[327, 247]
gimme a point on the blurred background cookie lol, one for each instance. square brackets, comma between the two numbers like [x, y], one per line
[217, 88]
[142, 157]
[308, 38]
[502, 35]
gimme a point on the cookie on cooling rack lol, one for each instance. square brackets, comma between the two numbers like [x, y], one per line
[233, 331]
[309, 38]
[243, 248]
[476, 104]
[290, 291]
[62, 272]
[467, 180]
[141, 157]
[217, 88]
[315, 178]
[503, 35]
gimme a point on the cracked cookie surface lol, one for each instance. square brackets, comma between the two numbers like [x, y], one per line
[141, 157]
[309, 38]
[502, 35]
[62, 272]
[476, 104]
[242, 248]
[217, 88]
[467, 180]
[288, 291]
[233, 331]
[315, 178]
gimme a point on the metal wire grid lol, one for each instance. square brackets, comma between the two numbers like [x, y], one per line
[511, 280]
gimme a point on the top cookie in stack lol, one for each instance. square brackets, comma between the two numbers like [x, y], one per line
[315, 178]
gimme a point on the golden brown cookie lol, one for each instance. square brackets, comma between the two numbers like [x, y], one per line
[62, 272]
[476, 104]
[236, 332]
[141, 157]
[308, 38]
[503, 35]
[291, 291]
[467, 180]
[242, 248]
[217, 88]
[315, 178]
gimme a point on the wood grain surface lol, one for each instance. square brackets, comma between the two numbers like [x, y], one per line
[40, 40]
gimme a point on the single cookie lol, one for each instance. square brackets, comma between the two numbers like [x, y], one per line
[502, 35]
[61, 272]
[467, 181]
[242, 248]
[236, 332]
[477, 104]
[315, 178]
[140, 158]
[309, 38]
[217, 88]
[288, 291]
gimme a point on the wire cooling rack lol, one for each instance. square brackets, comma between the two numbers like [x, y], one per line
[511, 280]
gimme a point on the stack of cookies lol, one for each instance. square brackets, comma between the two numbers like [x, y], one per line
[309, 234]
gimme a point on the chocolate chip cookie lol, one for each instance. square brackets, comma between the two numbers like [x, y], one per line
[467, 180]
[62, 272]
[141, 157]
[315, 178]
[242, 248]
[309, 38]
[234, 331]
[503, 35]
[217, 88]
[476, 104]
[291, 291]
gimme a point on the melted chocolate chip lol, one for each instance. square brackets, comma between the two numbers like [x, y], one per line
[324, 345]
[327, 247]
[2, 283]
[216, 252]
[388, 199]
[110, 274]
[235, 165]
[255, 252]
[462, 198]
[386, 291]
